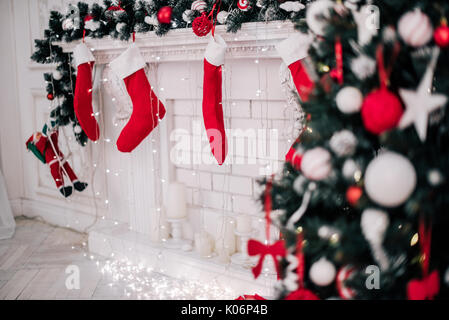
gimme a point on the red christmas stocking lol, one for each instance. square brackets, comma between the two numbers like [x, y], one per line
[212, 98]
[147, 109]
[293, 51]
[83, 92]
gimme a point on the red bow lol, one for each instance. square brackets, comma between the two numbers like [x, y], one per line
[276, 250]
[424, 289]
[250, 297]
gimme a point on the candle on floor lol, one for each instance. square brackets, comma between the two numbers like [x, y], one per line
[244, 224]
[176, 201]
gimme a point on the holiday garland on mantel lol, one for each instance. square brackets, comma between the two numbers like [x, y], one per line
[120, 19]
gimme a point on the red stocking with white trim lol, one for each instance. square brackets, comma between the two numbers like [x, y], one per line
[212, 97]
[147, 109]
[82, 102]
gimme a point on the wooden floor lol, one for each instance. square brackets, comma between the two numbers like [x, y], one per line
[33, 265]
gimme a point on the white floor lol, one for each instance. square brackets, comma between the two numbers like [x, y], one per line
[33, 266]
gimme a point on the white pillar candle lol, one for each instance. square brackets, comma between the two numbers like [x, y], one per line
[244, 224]
[176, 203]
[203, 244]
[226, 235]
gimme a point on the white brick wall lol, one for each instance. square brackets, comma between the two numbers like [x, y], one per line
[233, 186]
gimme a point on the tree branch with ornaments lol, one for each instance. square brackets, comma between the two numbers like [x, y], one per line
[363, 194]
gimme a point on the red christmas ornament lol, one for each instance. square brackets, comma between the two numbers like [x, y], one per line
[164, 15]
[201, 26]
[251, 297]
[302, 294]
[381, 111]
[441, 35]
[50, 96]
[353, 195]
[294, 157]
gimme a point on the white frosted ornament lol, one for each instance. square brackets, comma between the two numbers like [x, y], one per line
[322, 272]
[363, 66]
[199, 5]
[390, 179]
[435, 178]
[349, 100]
[222, 16]
[316, 11]
[67, 24]
[119, 26]
[343, 143]
[92, 25]
[57, 75]
[152, 20]
[77, 129]
[350, 168]
[415, 28]
[292, 6]
[316, 164]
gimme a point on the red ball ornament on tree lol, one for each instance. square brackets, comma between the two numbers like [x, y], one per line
[302, 294]
[381, 111]
[441, 35]
[201, 26]
[353, 195]
[50, 96]
[164, 15]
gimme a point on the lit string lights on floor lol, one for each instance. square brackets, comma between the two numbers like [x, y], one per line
[143, 283]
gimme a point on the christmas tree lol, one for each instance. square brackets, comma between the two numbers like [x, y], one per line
[363, 197]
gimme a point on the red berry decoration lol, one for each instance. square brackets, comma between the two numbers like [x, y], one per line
[353, 195]
[50, 96]
[381, 111]
[201, 26]
[164, 15]
[441, 35]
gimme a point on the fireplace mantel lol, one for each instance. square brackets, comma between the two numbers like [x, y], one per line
[128, 228]
[184, 45]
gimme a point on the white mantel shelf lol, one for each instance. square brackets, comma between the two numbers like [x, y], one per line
[253, 40]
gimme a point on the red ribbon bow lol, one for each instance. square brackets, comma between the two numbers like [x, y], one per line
[424, 289]
[429, 286]
[275, 250]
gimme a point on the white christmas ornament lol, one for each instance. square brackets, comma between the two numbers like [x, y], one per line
[343, 143]
[119, 26]
[349, 100]
[222, 16]
[415, 28]
[92, 25]
[421, 103]
[199, 5]
[299, 184]
[57, 75]
[77, 129]
[363, 66]
[292, 6]
[67, 24]
[435, 178]
[390, 179]
[152, 20]
[367, 20]
[316, 164]
[374, 224]
[316, 11]
[350, 167]
[322, 272]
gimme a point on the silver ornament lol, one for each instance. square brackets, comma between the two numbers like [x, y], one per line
[343, 143]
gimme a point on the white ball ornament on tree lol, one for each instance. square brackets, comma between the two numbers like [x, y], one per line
[119, 26]
[152, 20]
[316, 164]
[435, 177]
[343, 143]
[92, 25]
[349, 170]
[77, 129]
[222, 16]
[292, 6]
[390, 179]
[57, 75]
[415, 28]
[349, 100]
[363, 66]
[68, 24]
[316, 14]
[322, 273]
[199, 5]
